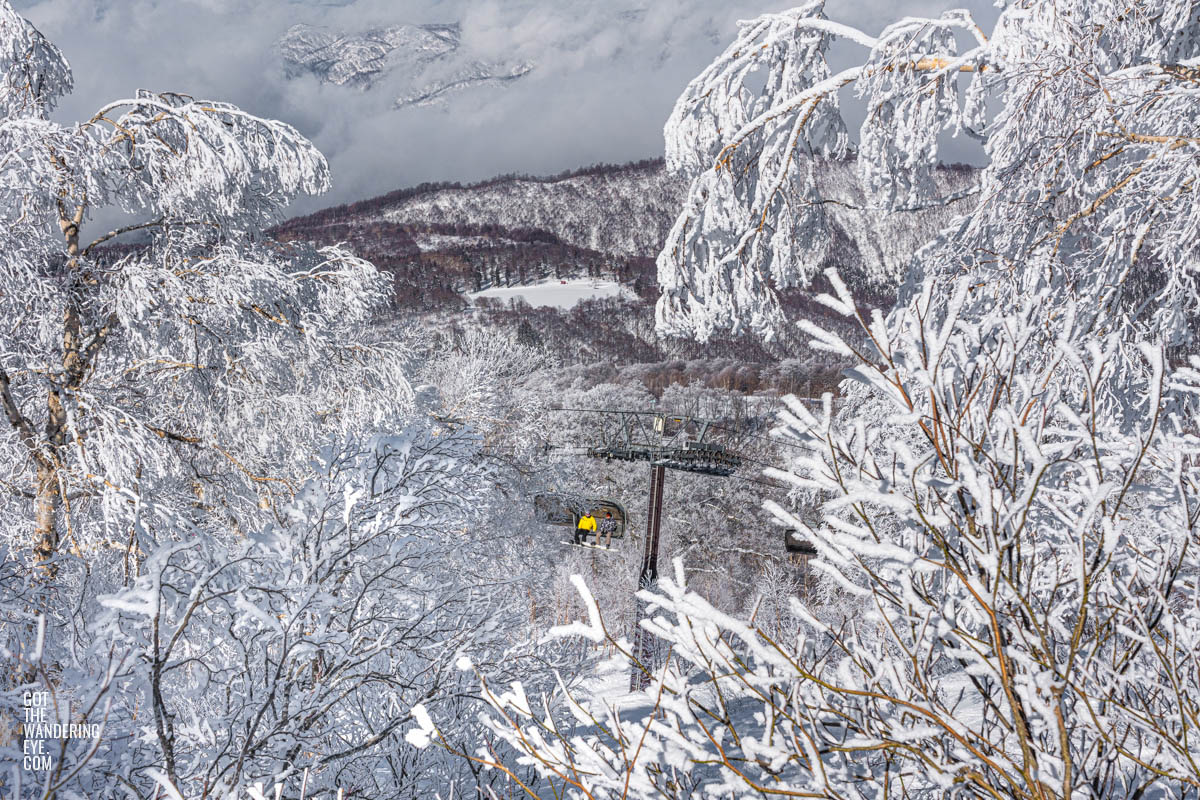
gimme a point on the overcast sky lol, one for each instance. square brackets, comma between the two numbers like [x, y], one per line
[607, 74]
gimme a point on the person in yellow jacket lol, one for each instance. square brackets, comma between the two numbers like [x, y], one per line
[587, 524]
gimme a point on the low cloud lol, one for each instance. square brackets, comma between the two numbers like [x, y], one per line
[607, 75]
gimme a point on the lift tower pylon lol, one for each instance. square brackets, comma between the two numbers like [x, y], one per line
[666, 442]
[643, 647]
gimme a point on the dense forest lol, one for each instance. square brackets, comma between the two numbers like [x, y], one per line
[440, 242]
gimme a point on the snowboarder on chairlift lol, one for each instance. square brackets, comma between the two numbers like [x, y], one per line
[608, 527]
[587, 524]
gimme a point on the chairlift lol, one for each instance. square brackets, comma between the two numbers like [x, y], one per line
[566, 510]
[795, 544]
[800, 552]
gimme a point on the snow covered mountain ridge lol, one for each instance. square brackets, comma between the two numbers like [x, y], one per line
[425, 63]
[358, 59]
[627, 211]
[444, 243]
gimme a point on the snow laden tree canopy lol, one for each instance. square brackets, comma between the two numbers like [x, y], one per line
[1085, 111]
[188, 370]
[234, 544]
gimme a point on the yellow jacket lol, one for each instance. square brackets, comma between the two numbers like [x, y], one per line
[587, 523]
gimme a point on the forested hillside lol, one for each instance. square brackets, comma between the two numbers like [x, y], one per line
[440, 242]
[601, 220]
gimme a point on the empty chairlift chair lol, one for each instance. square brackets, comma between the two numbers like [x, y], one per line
[800, 552]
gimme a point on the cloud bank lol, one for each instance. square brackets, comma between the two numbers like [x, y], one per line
[607, 74]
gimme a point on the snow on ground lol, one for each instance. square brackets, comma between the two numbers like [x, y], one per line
[435, 242]
[560, 294]
[606, 686]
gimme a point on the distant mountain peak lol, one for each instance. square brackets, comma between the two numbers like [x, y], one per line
[477, 73]
[361, 60]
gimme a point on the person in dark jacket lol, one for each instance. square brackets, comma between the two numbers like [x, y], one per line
[608, 527]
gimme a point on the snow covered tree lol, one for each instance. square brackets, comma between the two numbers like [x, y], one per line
[293, 655]
[1084, 111]
[234, 537]
[1021, 613]
[1008, 485]
[188, 424]
[187, 371]
[305, 644]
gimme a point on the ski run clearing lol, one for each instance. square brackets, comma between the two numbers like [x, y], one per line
[560, 294]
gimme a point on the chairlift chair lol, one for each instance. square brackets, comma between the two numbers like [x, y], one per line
[566, 510]
[800, 552]
[794, 543]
